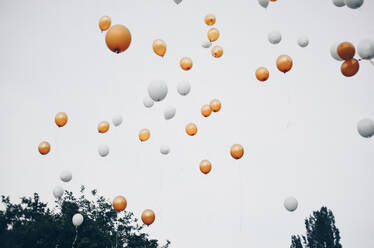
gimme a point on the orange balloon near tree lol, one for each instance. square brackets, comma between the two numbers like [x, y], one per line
[61, 119]
[350, 67]
[262, 74]
[118, 38]
[186, 63]
[148, 217]
[103, 127]
[346, 50]
[205, 166]
[119, 203]
[284, 63]
[191, 129]
[237, 151]
[44, 148]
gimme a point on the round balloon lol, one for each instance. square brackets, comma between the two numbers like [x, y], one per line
[284, 63]
[334, 51]
[213, 34]
[183, 88]
[346, 50]
[366, 49]
[66, 176]
[274, 37]
[169, 112]
[159, 47]
[217, 51]
[103, 127]
[58, 191]
[186, 63]
[44, 148]
[164, 149]
[191, 129]
[215, 105]
[148, 217]
[77, 220]
[290, 203]
[117, 120]
[206, 110]
[61, 119]
[104, 23]
[103, 150]
[264, 3]
[206, 44]
[119, 203]
[177, 1]
[338, 3]
[365, 127]
[262, 74]
[210, 19]
[237, 151]
[354, 4]
[205, 166]
[148, 102]
[157, 90]
[144, 135]
[350, 67]
[303, 41]
[118, 38]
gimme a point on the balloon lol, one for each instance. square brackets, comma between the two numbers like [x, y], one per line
[237, 151]
[354, 4]
[365, 128]
[157, 90]
[159, 47]
[346, 50]
[334, 51]
[210, 19]
[215, 105]
[118, 38]
[164, 149]
[205, 166]
[366, 49]
[338, 3]
[350, 67]
[264, 3]
[103, 150]
[148, 217]
[169, 112]
[61, 119]
[303, 41]
[262, 74]
[44, 148]
[284, 63]
[191, 129]
[290, 203]
[104, 23]
[273, 0]
[66, 176]
[186, 63]
[206, 44]
[103, 127]
[206, 110]
[217, 51]
[77, 220]
[58, 191]
[144, 135]
[117, 120]
[183, 88]
[177, 1]
[274, 37]
[213, 34]
[119, 203]
[148, 102]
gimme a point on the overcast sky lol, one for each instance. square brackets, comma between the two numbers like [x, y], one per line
[298, 129]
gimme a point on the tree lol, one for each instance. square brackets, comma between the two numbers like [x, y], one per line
[31, 224]
[321, 231]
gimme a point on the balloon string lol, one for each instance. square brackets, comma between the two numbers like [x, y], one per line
[76, 236]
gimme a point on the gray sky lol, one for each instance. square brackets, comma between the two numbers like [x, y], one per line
[298, 129]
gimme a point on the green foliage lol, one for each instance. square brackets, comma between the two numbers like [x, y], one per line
[31, 224]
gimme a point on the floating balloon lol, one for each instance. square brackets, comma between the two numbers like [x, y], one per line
[186, 63]
[169, 112]
[148, 217]
[177, 1]
[117, 120]
[206, 110]
[274, 37]
[338, 3]
[217, 51]
[104, 23]
[365, 128]
[159, 47]
[237, 151]
[210, 19]
[206, 44]
[284, 63]
[119, 203]
[164, 149]
[264, 3]
[77, 220]
[366, 49]
[66, 176]
[103, 127]
[215, 105]
[334, 51]
[290, 203]
[118, 38]
[58, 191]
[191, 129]
[61, 119]
[346, 50]
[303, 41]
[183, 88]
[103, 150]
[350, 67]
[205, 166]
[213, 34]
[157, 90]
[354, 4]
[262, 74]
[144, 135]
[273, 0]
[44, 148]
[148, 102]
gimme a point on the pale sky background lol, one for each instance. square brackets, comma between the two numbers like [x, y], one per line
[298, 129]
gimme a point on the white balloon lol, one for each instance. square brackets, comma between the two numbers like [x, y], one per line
[354, 4]
[117, 120]
[58, 191]
[274, 37]
[77, 220]
[177, 1]
[164, 149]
[157, 90]
[290, 203]
[365, 128]
[148, 102]
[303, 41]
[334, 51]
[66, 176]
[206, 44]
[169, 112]
[366, 49]
[103, 150]
[264, 3]
[338, 3]
[183, 88]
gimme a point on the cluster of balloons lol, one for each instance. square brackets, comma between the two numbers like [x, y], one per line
[346, 51]
[275, 37]
[214, 106]
[265, 3]
[365, 127]
[104, 127]
[213, 35]
[353, 4]
[117, 38]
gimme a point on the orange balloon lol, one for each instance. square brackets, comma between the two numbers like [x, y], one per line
[205, 166]
[144, 134]
[186, 63]
[119, 203]
[61, 119]
[44, 148]
[159, 47]
[237, 151]
[217, 51]
[346, 50]
[215, 105]
[262, 74]
[103, 127]
[148, 217]
[206, 110]
[118, 38]
[213, 34]
[273, 0]
[191, 129]
[104, 23]
[210, 19]
[350, 67]
[284, 63]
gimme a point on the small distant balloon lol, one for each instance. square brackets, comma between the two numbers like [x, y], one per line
[119, 203]
[205, 166]
[338, 3]
[183, 88]
[44, 148]
[58, 191]
[104, 23]
[264, 3]
[148, 102]
[334, 51]
[148, 217]
[157, 90]
[210, 19]
[217, 51]
[103, 150]
[206, 110]
[177, 1]
[215, 105]
[213, 34]
[290, 203]
[169, 112]
[274, 37]
[191, 129]
[366, 49]
[118, 38]
[164, 149]
[66, 176]
[61, 119]
[350, 67]
[117, 120]
[262, 74]
[103, 127]
[303, 41]
[186, 63]
[144, 135]
[159, 47]
[237, 151]
[77, 220]
[346, 50]
[354, 4]
[284, 63]
[365, 127]
[206, 44]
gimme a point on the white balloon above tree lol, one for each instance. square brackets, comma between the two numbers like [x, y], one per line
[157, 90]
